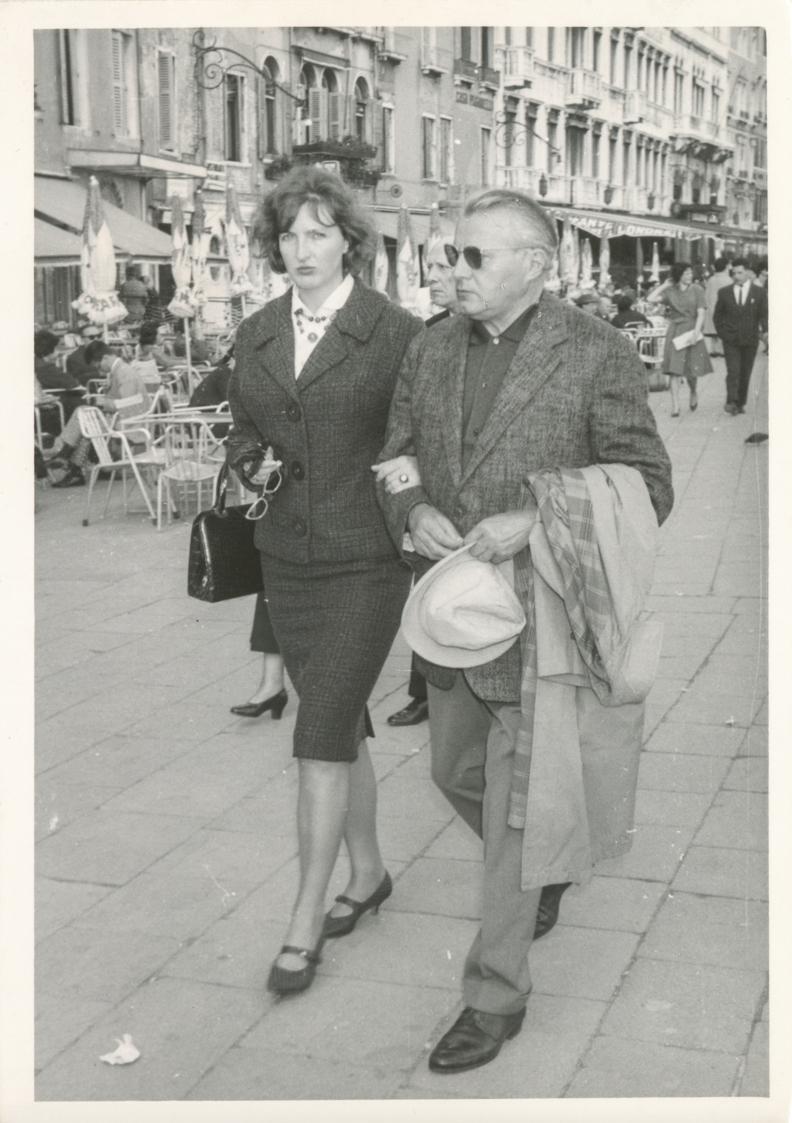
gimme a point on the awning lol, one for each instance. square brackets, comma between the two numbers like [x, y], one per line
[61, 203]
[606, 224]
[387, 222]
[140, 165]
[53, 246]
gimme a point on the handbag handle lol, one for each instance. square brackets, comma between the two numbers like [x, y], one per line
[220, 489]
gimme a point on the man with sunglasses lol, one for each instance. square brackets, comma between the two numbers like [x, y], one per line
[515, 383]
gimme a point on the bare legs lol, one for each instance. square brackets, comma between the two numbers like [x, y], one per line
[675, 384]
[335, 801]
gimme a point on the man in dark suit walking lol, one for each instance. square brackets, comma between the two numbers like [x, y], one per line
[515, 383]
[740, 319]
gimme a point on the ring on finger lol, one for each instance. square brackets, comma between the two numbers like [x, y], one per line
[403, 478]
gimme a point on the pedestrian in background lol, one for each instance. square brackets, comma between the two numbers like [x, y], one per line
[685, 308]
[741, 321]
[314, 376]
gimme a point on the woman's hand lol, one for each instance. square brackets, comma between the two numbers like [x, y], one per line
[397, 474]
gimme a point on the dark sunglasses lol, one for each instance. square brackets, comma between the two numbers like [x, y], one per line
[473, 254]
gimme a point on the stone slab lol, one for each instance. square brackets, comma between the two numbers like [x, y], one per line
[581, 962]
[60, 902]
[611, 903]
[620, 1067]
[58, 803]
[689, 1005]
[181, 1028]
[655, 855]
[697, 740]
[671, 809]
[747, 774]
[720, 872]
[98, 963]
[720, 931]
[675, 772]
[736, 819]
[756, 1078]
[442, 887]
[91, 849]
[59, 1020]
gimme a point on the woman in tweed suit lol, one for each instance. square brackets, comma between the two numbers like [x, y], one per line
[314, 377]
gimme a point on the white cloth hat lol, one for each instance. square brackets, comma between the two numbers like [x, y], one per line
[463, 612]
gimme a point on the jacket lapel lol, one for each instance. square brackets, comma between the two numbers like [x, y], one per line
[536, 358]
[451, 387]
[273, 336]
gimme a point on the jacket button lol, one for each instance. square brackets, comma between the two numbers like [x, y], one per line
[299, 528]
[297, 470]
[293, 412]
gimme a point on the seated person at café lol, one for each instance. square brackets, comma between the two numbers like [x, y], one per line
[77, 363]
[146, 362]
[199, 351]
[626, 315]
[51, 377]
[70, 452]
[133, 294]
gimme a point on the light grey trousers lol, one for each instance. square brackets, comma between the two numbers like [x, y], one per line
[472, 746]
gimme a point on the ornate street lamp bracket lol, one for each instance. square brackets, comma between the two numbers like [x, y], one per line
[213, 61]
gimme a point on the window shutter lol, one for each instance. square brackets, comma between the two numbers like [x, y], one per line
[165, 97]
[377, 138]
[315, 113]
[119, 93]
[261, 115]
[334, 116]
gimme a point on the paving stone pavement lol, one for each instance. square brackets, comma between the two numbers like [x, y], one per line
[166, 852]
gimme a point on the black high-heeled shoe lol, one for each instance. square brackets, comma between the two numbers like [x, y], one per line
[276, 703]
[282, 982]
[335, 926]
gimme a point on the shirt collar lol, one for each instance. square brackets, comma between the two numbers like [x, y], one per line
[337, 299]
[514, 332]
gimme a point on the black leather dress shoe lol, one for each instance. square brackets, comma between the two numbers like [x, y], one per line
[549, 903]
[412, 714]
[474, 1039]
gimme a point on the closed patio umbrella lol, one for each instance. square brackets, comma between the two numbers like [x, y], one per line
[200, 249]
[604, 262]
[566, 255]
[181, 266]
[98, 300]
[586, 265]
[237, 247]
[407, 279]
[655, 274]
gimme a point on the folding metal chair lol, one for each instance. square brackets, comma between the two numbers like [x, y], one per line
[114, 454]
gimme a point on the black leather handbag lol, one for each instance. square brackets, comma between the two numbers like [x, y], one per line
[223, 562]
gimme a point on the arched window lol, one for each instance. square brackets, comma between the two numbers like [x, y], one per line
[361, 110]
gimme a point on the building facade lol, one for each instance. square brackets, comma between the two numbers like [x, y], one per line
[662, 125]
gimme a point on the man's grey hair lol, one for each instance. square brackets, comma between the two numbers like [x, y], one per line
[524, 207]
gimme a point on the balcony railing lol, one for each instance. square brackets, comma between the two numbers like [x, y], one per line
[691, 124]
[550, 84]
[517, 65]
[585, 87]
[509, 175]
[635, 199]
[558, 188]
[635, 106]
[465, 68]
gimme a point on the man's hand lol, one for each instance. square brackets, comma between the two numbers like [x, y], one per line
[432, 533]
[499, 537]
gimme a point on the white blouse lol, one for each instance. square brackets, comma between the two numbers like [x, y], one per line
[309, 327]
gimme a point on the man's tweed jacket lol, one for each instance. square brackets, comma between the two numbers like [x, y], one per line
[327, 426]
[574, 395]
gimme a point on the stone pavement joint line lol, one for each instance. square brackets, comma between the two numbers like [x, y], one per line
[167, 857]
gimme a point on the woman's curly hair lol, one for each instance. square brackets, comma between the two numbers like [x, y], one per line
[331, 203]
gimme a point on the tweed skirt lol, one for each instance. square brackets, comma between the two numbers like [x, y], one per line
[335, 624]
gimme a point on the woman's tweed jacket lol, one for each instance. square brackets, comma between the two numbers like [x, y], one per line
[327, 426]
[574, 395]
